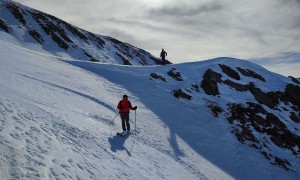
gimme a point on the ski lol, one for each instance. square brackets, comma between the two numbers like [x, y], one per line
[123, 134]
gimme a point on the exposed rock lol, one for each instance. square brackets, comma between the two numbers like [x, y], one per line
[270, 99]
[159, 61]
[75, 31]
[195, 87]
[176, 76]
[295, 80]
[294, 117]
[230, 72]
[125, 61]
[100, 42]
[70, 38]
[244, 119]
[45, 21]
[94, 60]
[250, 73]
[17, 12]
[210, 82]
[36, 36]
[156, 60]
[292, 94]
[215, 109]
[274, 120]
[178, 93]
[282, 163]
[4, 26]
[139, 57]
[122, 47]
[156, 76]
[90, 56]
[236, 86]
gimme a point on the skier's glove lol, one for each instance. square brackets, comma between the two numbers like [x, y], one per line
[134, 108]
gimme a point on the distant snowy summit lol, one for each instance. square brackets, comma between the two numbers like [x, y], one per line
[39, 31]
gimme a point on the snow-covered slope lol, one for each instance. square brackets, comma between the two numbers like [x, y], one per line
[217, 119]
[55, 121]
[42, 32]
[55, 124]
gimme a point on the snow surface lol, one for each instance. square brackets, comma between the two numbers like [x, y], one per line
[58, 120]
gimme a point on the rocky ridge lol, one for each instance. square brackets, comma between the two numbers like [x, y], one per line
[266, 120]
[51, 34]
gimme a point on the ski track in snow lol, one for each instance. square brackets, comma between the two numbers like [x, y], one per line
[39, 137]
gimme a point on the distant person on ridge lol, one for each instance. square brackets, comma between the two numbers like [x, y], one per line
[124, 106]
[163, 55]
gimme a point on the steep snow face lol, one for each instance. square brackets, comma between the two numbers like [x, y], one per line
[56, 124]
[45, 33]
[56, 114]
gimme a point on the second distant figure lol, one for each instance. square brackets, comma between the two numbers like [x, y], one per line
[163, 55]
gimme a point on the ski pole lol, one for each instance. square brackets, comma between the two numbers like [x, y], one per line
[114, 118]
[135, 121]
[112, 123]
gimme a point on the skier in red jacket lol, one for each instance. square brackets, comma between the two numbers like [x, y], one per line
[124, 106]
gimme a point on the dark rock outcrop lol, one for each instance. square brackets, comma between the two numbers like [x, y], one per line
[295, 80]
[176, 76]
[292, 94]
[56, 32]
[195, 87]
[243, 118]
[4, 26]
[230, 72]
[270, 99]
[210, 82]
[156, 76]
[17, 12]
[250, 73]
[251, 123]
[125, 61]
[236, 86]
[215, 109]
[36, 36]
[50, 31]
[178, 93]
[294, 117]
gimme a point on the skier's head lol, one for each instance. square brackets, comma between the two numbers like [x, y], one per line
[125, 96]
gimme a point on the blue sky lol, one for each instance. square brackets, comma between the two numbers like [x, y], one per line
[188, 30]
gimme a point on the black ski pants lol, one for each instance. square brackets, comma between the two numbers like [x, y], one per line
[125, 121]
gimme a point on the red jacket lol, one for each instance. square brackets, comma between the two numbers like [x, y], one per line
[124, 106]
